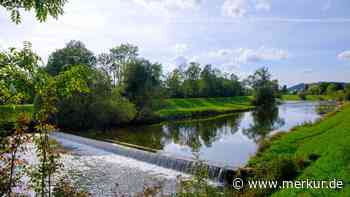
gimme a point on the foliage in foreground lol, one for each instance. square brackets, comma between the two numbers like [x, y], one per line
[47, 90]
[42, 9]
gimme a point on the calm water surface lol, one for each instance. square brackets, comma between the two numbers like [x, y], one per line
[228, 140]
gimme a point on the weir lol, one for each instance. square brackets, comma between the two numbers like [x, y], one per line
[216, 172]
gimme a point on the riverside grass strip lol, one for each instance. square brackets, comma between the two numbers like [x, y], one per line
[329, 138]
[196, 107]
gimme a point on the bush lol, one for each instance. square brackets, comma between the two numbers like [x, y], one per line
[283, 168]
[302, 96]
[86, 99]
[112, 111]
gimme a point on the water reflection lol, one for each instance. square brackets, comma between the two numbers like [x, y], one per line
[229, 139]
[265, 120]
[196, 134]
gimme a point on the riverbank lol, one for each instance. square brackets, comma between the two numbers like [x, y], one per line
[317, 151]
[295, 97]
[171, 109]
[199, 107]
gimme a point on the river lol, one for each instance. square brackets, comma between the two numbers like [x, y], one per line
[228, 140]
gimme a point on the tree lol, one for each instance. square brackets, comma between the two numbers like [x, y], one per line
[42, 9]
[17, 69]
[191, 83]
[347, 92]
[302, 95]
[115, 61]
[174, 83]
[74, 53]
[209, 81]
[265, 89]
[331, 89]
[143, 84]
[93, 103]
[284, 89]
[314, 90]
[323, 87]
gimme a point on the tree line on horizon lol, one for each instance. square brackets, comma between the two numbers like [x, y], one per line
[118, 87]
[338, 91]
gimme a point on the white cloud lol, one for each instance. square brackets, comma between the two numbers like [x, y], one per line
[169, 6]
[345, 55]
[180, 49]
[263, 5]
[239, 8]
[261, 54]
[234, 8]
[234, 58]
[220, 53]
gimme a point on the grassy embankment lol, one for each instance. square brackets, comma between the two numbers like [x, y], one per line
[171, 108]
[328, 139]
[293, 97]
[197, 107]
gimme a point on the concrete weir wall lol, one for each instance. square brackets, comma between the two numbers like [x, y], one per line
[216, 172]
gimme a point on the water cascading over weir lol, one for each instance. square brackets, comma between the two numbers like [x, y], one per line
[216, 172]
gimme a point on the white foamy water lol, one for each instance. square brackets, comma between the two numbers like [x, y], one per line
[103, 173]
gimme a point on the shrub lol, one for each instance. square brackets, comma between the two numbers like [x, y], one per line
[282, 168]
[92, 103]
[112, 111]
[302, 95]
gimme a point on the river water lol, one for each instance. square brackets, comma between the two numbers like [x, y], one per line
[228, 140]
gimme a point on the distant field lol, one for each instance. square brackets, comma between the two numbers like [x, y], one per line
[190, 107]
[329, 139]
[9, 113]
[292, 97]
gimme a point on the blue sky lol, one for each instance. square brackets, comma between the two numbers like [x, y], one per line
[299, 40]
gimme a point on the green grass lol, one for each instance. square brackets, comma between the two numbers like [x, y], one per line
[328, 138]
[293, 97]
[9, 113]
[194, 107]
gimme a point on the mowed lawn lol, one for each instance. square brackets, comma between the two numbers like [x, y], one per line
[189, 107]
[330, 139]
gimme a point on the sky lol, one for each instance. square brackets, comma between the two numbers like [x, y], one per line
[299, 40]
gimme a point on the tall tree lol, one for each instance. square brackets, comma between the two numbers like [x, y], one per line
[174, 83]
[74, 53]
[265, 89]
[191, 83]
[42, 9]
[116, 60]
[331, 89]
[142, 82]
